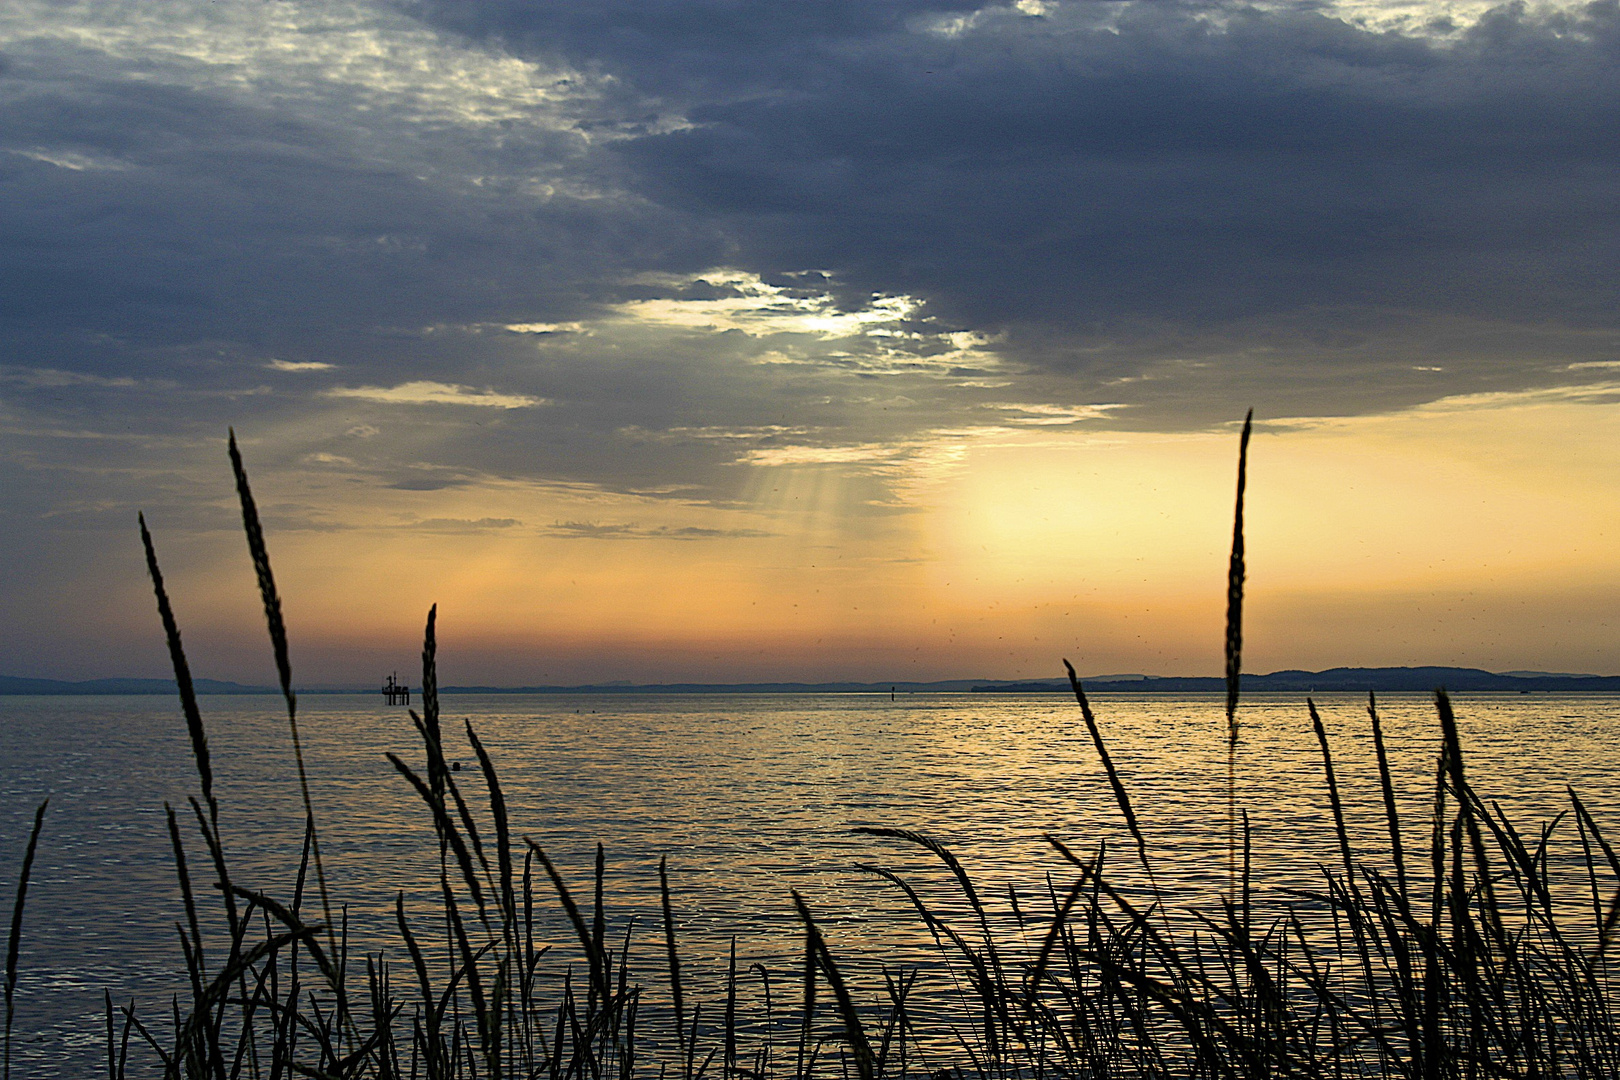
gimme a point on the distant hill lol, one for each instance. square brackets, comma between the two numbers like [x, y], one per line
[1333, 680]
[1422, 679]
[10, 684]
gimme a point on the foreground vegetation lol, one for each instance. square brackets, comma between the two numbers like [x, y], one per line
[1464, 957]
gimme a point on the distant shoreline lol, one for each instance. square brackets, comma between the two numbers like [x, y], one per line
[1333, 680]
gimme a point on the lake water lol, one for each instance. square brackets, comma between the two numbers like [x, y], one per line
[747, 796]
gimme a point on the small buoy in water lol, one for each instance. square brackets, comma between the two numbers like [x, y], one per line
[455, 766]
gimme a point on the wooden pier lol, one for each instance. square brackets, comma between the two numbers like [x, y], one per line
[396, 692]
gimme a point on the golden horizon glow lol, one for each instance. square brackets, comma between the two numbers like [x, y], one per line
[1474, 532]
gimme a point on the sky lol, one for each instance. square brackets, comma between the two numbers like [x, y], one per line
[739, 340]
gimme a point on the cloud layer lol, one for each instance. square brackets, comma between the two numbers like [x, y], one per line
[1215, 197]
[1179, 209]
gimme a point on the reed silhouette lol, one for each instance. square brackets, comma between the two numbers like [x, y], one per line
[1470, 963]
[1235, 574]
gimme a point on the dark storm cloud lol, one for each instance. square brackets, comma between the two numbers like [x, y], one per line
[199, 220]
[1149, 188]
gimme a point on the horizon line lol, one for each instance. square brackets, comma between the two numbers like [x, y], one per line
[1404, 678]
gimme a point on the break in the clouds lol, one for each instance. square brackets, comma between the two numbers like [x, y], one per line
[422, 392]
[652, 250]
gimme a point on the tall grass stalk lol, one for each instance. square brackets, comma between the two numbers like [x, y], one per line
[1235, 573]
[14, 939]
[278, 643]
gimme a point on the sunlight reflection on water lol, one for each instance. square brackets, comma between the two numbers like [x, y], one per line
[748, 796]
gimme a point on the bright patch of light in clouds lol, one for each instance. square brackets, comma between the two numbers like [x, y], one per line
[1441, 19]
[1037, 414]
[738, 300]
[299, 365]
[544, 328]
[436, 393]
[303, 50]
[72, 160]
[865, 454]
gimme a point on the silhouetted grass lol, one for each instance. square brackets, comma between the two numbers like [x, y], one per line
[1477, 967]
[14, 939]
[1236, 571]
